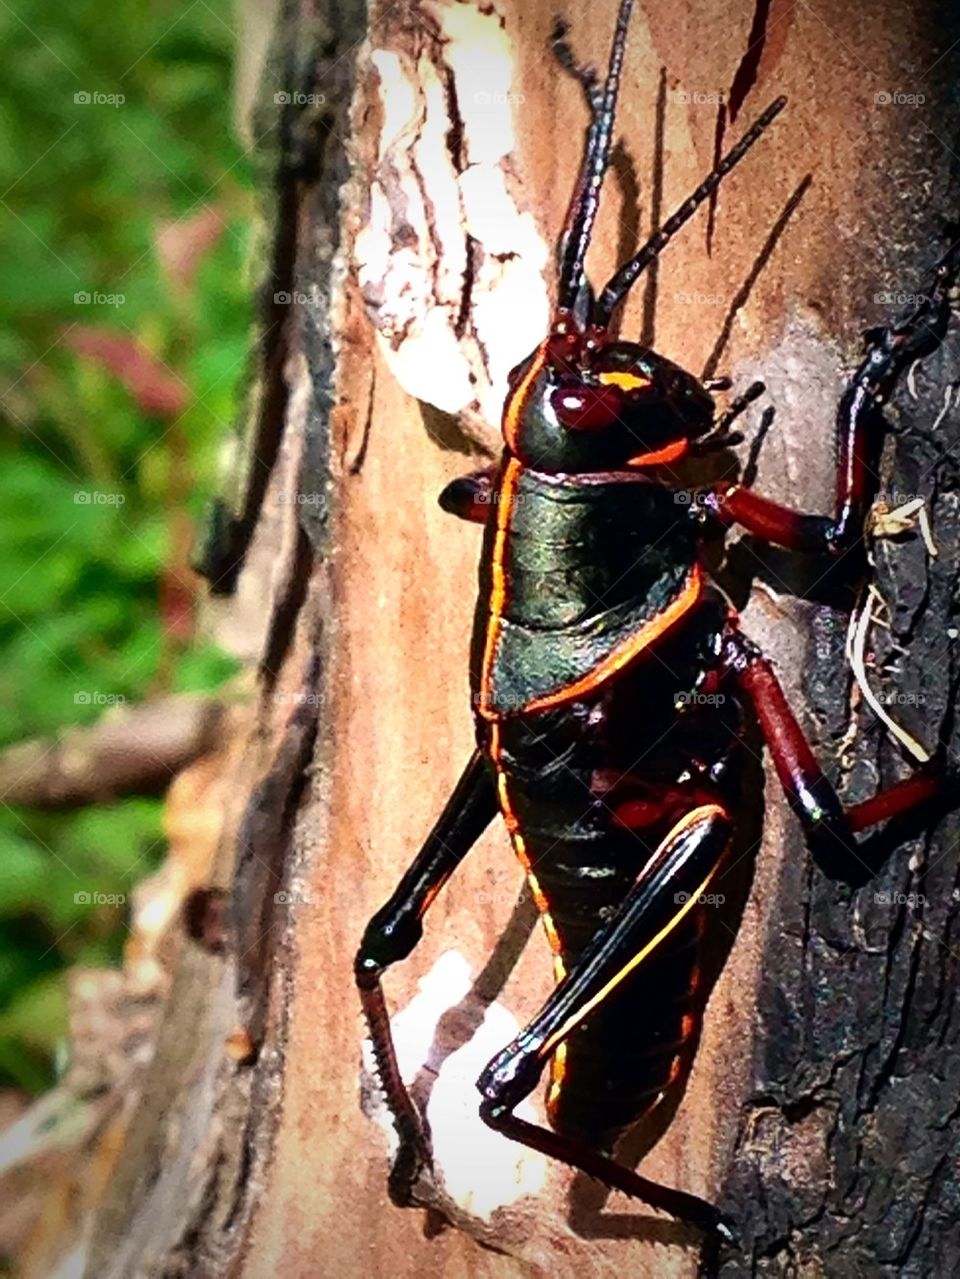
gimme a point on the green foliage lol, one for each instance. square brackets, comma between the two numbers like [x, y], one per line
[97, 487]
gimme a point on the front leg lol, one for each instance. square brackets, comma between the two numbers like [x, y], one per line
[393, 933]
[861, 429]
[471, 497]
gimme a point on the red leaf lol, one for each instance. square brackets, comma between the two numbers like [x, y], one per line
[149, 381]
[182, 244]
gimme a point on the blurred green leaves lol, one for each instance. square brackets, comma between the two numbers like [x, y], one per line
[116, 156]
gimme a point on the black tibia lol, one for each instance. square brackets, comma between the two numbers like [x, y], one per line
[861, 428]
[685, 1207]
[861, 423]
[392, 934]
[666, 891]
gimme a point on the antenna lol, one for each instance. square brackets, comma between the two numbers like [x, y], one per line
[627, 275]
[582, 212]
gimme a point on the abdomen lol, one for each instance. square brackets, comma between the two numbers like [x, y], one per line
[562, 776]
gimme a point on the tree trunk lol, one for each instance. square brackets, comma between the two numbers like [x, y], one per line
[424, 173]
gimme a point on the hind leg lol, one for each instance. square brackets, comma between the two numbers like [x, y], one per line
[668, 888]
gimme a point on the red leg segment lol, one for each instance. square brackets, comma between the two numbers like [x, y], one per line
[811, 795]
[731, 504]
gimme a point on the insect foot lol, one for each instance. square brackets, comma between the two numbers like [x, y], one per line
[411, 1178]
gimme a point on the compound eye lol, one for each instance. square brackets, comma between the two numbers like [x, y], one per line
[587, 408]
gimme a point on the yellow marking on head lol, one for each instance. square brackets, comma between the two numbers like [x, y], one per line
[625, 381]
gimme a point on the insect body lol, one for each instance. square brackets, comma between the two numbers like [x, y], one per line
[599, 650]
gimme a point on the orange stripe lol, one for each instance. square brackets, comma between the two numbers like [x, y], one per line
[669, 453]
[520, 848]
[498, 585]
[514, 406]
[629, 649]
[498, 593]
[558, 1071]
[682, 824]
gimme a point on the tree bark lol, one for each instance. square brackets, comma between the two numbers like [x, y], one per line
[430, 184]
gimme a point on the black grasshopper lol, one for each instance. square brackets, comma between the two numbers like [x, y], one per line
[598, 638]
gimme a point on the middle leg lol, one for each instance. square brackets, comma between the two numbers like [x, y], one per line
[813, 798]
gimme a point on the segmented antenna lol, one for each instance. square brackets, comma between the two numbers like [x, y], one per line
[626, 276]
[596, 156]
